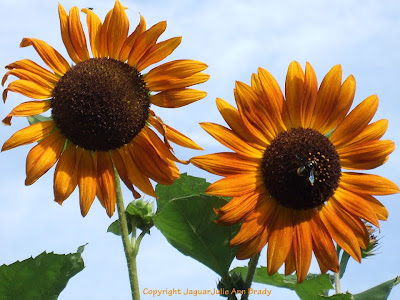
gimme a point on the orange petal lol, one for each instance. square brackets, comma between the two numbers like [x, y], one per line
[30, 76]
[290, 265]
[33, 67]
[64, 27]
[372, 152]
[29, 135]
[367, 184]
[235, 185]
[106, 181]
[134, 174]
[103, 36]
[355, 121]
[25, 109]
[66, 174]
[310, 90]
[130, 41]
[302, 243]
[29, 89]
[43, 156]
[76, 34]
[373, 131]
[144, 41]
[231, 140]
[234, 121]
[119, 165]
[117, 30]
[340, 232]
[172, 134]
[177, 69]
[379, 209]
[355, 205]
[86, 180]
[340, 109]
[254, 246]
[94, 25]
[327, 97]
[50, 56]
[226, 163]
[158, 52]
[148, 161]
[237, 208]
[294, 92]
[274, 101]
[280, 239]
[356, 225]
[323, 247]
[177, 97]
[256, 220]
[167, 83]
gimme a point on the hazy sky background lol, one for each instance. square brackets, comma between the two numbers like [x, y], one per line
[234, 38]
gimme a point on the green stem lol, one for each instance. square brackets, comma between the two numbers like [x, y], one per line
[251, 269]
[337, 283]
[129, 250]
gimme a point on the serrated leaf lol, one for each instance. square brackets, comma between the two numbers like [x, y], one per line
[185, 216]
[379, 292]
[42, 278]
[314, 287]
[38, 118]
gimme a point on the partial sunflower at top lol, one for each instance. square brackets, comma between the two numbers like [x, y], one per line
[101, 107]
[285, 174]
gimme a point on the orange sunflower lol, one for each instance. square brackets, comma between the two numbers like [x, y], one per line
[100, 107]
[285, 174]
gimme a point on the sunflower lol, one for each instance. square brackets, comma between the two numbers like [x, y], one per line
[285, 174]
[100, 107]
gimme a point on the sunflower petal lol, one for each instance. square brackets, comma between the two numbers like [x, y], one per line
[66, 174]
[76, 34]
[106, 181]
[30, 76]
[323, 247]
[50, 56]
[231, 140]
[379, 209]
[166, 83]
[130, 41]
[144, 41]
[33, 67]
[368, 184]
[25, 109]
[29, 89]
[294, 92]
[280, 239]
[290, 265]
[29, 135]
[340, 232]
[327, 97]
[310, 91]
[225, 163]
[373, 131]
[86, 180]
[65, 34]
[177, 69]
[43, 156]
[94, 25]
[355, 121]
[117, 30]
[254, 246]
[177, 97]
[158, 52]
[339, 111]
[235, 185]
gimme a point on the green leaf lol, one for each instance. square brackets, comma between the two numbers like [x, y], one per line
[379, 292]
[314, 287]
[38, 118]
[343, 263]
[115, 228]
[42, 278]
[185, 216]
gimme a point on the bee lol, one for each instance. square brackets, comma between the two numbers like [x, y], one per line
[307, 169]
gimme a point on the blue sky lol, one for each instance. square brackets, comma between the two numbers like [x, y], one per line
[234, 38]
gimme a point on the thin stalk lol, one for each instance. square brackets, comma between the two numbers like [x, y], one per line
[337, 283]
[129, 252]
[251, 269]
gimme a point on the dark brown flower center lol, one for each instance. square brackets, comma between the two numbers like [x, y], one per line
[301, 168]
[101, 104]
